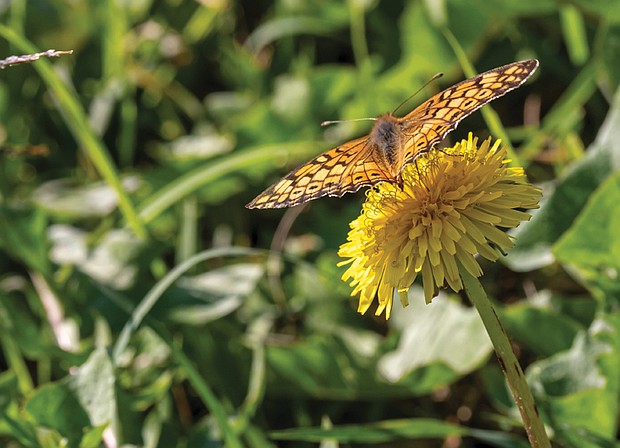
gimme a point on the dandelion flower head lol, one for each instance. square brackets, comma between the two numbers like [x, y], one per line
[453, 203]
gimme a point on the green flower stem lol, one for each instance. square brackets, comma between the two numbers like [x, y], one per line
[16, 363]
[508, 361]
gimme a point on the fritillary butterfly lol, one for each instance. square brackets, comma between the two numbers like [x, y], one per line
[393, 142]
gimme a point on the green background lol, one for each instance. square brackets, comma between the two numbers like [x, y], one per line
[142, 304]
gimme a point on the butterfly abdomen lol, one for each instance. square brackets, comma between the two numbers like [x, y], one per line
[386, 136]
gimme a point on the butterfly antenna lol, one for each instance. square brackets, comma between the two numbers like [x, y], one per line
[435, 77]
[327, 123]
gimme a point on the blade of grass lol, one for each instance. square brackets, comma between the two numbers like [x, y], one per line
[146, 304]
[77, 122]
[188, 240]
[128, 132]
[256, 339]
[204, 21]
[358, 32]
[113, 45]
[155, 293]
[17, 16]
[573, 98]
[203, 390]
[574, 31]
[15, 362]
[115, 71]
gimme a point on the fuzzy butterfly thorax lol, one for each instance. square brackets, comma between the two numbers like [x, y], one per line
[393, 142]
[387, 136]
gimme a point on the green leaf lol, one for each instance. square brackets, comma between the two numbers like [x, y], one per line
[563, 202]
[93, 386]
[422, 61]
[93, 437]
[378, 432]
[592, 245]
[448, 325]
[541, 329]
[112, 262]
[578, 389]
[62, 198]
[8, 389]
[23, 235]
[55, 406]
[574, 29]
[18, 323]
[352, 364]
[12, 421]
[609, 11]
[331, 87]
[73, 406]
[203, 298]
[523, 7]
[611, 55]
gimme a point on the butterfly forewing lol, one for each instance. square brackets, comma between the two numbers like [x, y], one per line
[432, 120]
[363, 162]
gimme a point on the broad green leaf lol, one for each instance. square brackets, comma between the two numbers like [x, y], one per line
[543, 330]
[8, 389]
[76, 404]
[331, 88]
[563, 202]
[18, 322]
[93, 386]
[23, 236]
[418, 62]
[442, 332]
[397, 431]
[202, 298]
[56, 406]
[113, 261]
[578, 389]
[93, 437]
[319, 366]
[349, 365]
[592, 245]
[378, 432]
[60, 197]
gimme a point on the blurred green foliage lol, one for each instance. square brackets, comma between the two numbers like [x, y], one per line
[138, 302]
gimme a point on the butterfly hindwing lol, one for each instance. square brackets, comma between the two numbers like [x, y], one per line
[332, 173]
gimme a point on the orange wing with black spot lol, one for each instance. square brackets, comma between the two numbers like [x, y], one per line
[344, 169]
[429, 123]
[393, 142]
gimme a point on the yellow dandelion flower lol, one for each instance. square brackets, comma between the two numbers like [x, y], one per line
[453, 204]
